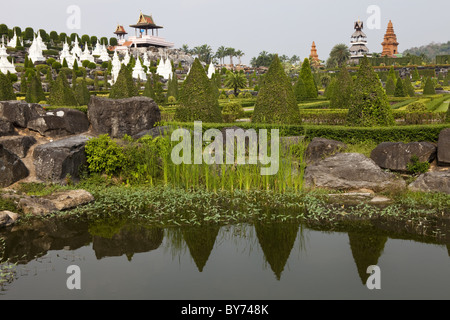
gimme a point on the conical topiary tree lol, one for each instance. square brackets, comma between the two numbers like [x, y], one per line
[429, 87]
[340, 98]
[308, 80]
[172, 87]
[148, 89]
[399, 89]
[276, 101]
[35, 93]
[61, 94]
[368, 105]
[390, 86]
[124, 86]
[82, 93]
[197, 100]
[409, 87]
[415, 75]
[300, 90]
[329, 90]
[6, 88]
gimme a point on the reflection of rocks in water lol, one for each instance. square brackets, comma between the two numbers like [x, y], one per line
[129, 240]
[276, 241]
[366, 250]
[27, 241]
[200, 241]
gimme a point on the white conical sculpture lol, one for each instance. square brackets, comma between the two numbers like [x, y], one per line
[138, 71]
[97, 50]
[126, 59]
[146, 61]
[40, 42]
[86, 55]
[116, 65]
[160, 67]
[35, 51]
[211, 70]
[5, 65]
[76, 48]
[167, 73]
[104, 54]
[12, 43]
[65, 53]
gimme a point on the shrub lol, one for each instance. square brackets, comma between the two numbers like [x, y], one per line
[231, 96]
[198, 101]
[171, 99]
[416, 166]
[82, 93]
[56, 65]
[409, 87]
[390, 86]
[300, 90]
[124, 86]
[416, 107]
[232, 111]
[429, 87]
[308, 79]
[368, 104]
[6, 88]
[399, 89]
[276, 102]
[222, 96]
[340, 97]
[104, 155]
[61, 94]
[248, 95]
[35, 93]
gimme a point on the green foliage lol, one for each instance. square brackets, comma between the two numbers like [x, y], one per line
[390, 86]
[429, 87]
[235, 80]
[232, 111]
[61, 94]
[124, 86]
[340, 98]
[329, 90]
[104, 155]
[64, 64]
[409, 89]
[35, 93]
[399, 89]
[416, 107]
[6, 88]
[368, 104]
[308, 80]
[198, 101]
[416, 75]
[82, 93]
[276, 101]
[172, 86]
[447, 118]
[300, 90]
[416, 166]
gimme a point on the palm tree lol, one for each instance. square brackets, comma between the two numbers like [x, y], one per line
[221, 54]
[239, 55]
[340, 54]
[231, 52]
[204, 53]
[236, 81]
[185, 48]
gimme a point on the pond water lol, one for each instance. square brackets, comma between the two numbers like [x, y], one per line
[120, 260]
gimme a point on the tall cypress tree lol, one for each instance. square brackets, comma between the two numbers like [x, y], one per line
[124, 86]
[82, 93]
[148, 90]
[172, 88]
[416, 75]
[308, 80]
[340, 98]
[61, 94]
[399, 89]
[368, 105]
[35, 93]
[390, 86]
[6, 88]
[409, 87]
[276, 101]
[197, 100]
[23, 83]
[429, 87]
[300, 90]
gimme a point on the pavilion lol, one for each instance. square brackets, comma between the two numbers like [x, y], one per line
[358, 48]
[142, 37]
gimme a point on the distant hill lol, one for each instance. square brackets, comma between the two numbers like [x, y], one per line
[431, 51]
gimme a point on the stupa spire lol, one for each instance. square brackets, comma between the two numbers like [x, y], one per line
[390, 43]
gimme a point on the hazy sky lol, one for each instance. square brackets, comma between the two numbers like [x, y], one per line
[284, 26]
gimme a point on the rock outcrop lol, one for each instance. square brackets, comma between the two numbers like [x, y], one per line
[432, 182]
[321, 148]
[443, 155]
[19, 145]
[20, 112]
[12, 168]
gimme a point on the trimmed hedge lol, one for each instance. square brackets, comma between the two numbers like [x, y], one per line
[341, 133]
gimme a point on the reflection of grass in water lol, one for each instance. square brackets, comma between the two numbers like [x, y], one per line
[7, 269]
[366, 250]
[277, 241]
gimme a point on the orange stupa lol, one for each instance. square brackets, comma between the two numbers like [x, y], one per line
[314, 56]
[390, 44]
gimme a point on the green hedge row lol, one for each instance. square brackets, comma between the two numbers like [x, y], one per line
[341, 133]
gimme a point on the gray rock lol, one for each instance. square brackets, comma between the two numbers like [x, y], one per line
[321, 148]
[60, 123]
[397, 155]
[54, 161]
[154, 132]
[19, 145]
[20, 112]
[122, 116]
[12, 168]
[443, 155]
[432, 182]
[5, 219]
[350, 171]
[6, 128]
[59, 201]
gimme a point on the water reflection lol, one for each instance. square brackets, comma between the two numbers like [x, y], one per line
[200, 241]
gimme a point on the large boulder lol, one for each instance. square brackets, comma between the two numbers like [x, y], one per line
[6, 128]
[443, 155]
[54, 161]
[434, 181]
[321, 148]
[19, 145]
[350, 171]
[122, 116]
[12, 168]
[60, 123]
[154, 132]
[20, 112]
[397, 155]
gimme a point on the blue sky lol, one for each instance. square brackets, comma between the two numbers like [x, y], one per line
[284, 26]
